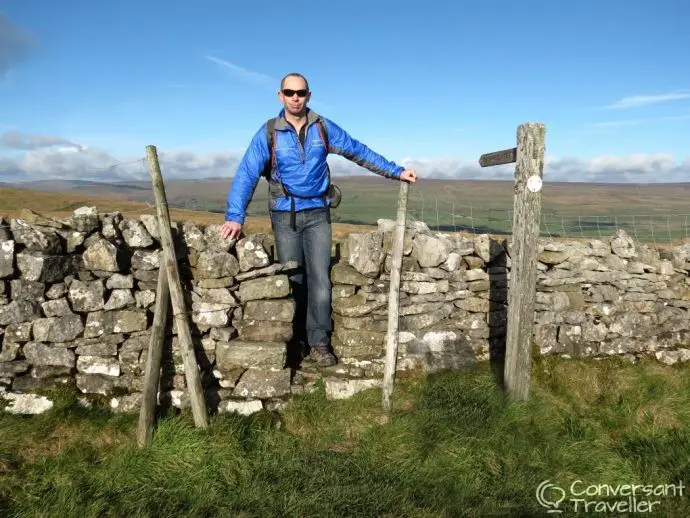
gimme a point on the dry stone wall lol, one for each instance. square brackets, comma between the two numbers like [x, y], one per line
[77, 297]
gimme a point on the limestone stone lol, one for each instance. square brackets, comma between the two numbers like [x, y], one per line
[274, 287]
[26, 404]
[214, 264]
[23, 289]
[251, 252]
[98, 365]
[44, 268]
[258, 383]
[263, 331]
[35, 239]
[42, 354]
[58, 329]
[622, 244]
[6, 259]
[99, 323]
[56, 308]
[366, 254]
[103, 255]
[430, 251]
[85, 219]
[135, 234]
[87, 296]
[150, 222]
[214, 241]
[240, 353]
[19, 311]
[282, 310]
[146, 259]
[347, 274]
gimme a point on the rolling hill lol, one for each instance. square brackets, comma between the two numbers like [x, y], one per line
[651, 212]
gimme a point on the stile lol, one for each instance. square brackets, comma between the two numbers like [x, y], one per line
[191, 367]
[393, 300]
[149, 395]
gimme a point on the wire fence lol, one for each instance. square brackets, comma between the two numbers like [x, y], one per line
[442, 212]
[444, 215]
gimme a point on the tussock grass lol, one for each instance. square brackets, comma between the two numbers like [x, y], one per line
[453, 447]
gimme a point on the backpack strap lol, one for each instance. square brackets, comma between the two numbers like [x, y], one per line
[323, 131]
[271, 141]
[272, 163]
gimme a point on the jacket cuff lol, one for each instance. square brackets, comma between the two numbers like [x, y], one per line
[235, 218]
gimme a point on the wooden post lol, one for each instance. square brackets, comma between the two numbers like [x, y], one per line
[153, 360]
[393, 300]
[529, 171]
[196, 394]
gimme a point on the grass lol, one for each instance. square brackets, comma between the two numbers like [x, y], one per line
[452, 448]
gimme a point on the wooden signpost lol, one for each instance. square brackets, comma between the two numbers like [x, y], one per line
[528, 157]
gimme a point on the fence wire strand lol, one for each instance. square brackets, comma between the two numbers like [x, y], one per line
[448, 214]
[453, 216]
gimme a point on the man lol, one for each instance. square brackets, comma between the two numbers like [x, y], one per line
[299, 204]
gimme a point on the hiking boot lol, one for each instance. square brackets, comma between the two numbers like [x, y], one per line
[322, 356]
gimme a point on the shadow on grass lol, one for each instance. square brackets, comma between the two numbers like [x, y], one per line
[452, 448]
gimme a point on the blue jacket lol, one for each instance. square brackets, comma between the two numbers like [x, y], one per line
[302, 169]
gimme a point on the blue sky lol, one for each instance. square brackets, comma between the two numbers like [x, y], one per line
[86, 84]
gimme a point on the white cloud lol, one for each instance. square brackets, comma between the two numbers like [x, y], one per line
[635, 101]
[91, 163]
[243, 73]
[17, 140]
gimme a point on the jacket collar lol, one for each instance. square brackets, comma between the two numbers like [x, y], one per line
[282, 124]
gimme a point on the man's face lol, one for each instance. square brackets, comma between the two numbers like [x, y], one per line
[294, 96]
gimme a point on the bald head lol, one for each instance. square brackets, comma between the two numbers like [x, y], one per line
[295, 75]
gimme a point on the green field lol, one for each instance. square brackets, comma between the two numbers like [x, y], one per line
[453, 447]
[650, 213]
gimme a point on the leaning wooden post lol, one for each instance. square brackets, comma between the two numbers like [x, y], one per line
[393, 300]
[529, 172]
[184, 336]
[149, 398]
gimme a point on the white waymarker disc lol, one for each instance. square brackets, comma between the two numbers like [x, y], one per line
[534, 183]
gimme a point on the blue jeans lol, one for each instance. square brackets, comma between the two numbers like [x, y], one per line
[310, 245]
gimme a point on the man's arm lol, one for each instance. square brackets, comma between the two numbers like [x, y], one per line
[341, 143]
[246, 177]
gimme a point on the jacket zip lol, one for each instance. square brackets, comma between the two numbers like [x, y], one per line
[299, 142]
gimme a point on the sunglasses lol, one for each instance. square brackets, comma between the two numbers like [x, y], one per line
[290, 93]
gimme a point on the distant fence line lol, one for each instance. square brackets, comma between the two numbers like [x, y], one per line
[444, 214]
[448, 216]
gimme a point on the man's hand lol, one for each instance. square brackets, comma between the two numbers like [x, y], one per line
[231, 229]
[408, 175]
